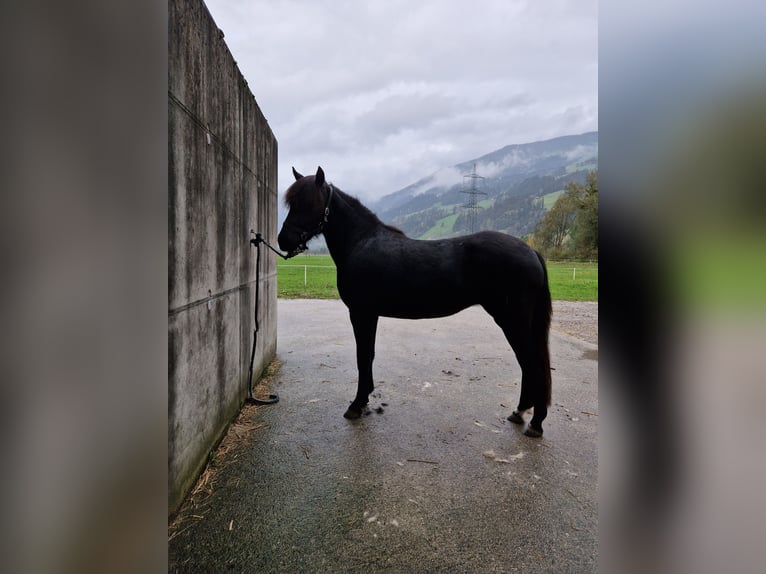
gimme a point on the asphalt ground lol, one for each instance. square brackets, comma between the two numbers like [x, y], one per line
[434, 479]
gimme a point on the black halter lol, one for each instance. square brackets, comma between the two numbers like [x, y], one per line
[320, 227]
[305, 236]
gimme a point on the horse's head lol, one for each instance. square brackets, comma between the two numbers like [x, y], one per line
[309, 202]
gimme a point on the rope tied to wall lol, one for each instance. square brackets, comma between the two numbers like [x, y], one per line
[256, 239]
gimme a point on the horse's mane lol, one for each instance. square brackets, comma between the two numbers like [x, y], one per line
[359, 206]
[394, 229]
[292, 193]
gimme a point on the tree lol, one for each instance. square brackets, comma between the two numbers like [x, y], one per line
[570, 228]
[585, 228]
[554, 227]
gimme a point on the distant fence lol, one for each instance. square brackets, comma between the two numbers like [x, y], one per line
[305, 269]
[583, 271]
[569, 281]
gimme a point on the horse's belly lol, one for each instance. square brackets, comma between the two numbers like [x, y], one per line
[422, 312]
[406, 302]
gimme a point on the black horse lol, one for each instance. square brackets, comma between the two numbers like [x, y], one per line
[382, 272]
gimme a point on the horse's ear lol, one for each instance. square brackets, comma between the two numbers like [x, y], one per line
[297, 175]
[319, 177]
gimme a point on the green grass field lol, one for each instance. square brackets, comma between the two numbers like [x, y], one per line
[306, 277]
[313, 277]
[573, 281]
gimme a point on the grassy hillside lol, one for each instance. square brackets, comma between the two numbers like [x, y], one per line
[515, 209]
[442, 228]
[550, 198]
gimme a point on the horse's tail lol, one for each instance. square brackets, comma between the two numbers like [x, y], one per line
[541, 321]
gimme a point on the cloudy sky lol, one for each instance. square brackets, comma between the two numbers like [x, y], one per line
[383, 92]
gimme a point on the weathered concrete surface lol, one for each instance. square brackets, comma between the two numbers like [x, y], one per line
[416, 488]
[222, 182]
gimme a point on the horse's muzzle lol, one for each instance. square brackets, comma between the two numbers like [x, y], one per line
[291, 242]
[297, 251]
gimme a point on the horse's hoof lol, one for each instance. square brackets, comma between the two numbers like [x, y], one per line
[352, 414]
[515, 417]
[355, 412]
[533, 432]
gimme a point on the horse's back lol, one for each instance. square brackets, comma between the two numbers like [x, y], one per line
[404, 277]
[501, 245]
[502, 256]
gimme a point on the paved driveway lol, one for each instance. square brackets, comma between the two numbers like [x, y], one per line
[438, 481]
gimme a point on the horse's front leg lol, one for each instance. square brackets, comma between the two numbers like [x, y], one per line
[365, 325]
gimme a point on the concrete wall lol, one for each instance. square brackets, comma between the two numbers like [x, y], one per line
[222, 180]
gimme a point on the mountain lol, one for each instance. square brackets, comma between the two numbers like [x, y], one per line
[517, 183]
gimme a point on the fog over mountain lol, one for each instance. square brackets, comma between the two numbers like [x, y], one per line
[517, 183]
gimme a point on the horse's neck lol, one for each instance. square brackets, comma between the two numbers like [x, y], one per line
[347, 224]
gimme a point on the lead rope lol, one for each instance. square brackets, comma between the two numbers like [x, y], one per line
[256, 239]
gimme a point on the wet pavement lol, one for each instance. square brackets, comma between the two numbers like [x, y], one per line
[434, 479]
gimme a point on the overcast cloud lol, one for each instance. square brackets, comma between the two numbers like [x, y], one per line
[381, 93]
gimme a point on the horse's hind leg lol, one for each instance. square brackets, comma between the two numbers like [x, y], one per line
[365, 327]
[530, 390]
[533, 391]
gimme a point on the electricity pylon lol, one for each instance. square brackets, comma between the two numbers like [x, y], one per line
[472, 191]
